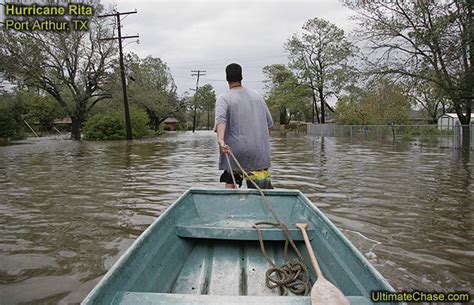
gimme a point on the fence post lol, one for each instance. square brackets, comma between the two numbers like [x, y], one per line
[457, 135]
[471, 130]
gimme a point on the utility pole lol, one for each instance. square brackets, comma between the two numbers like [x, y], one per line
[197, 73]
[128, 126]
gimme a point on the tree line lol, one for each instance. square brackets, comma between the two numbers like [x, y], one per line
[401, 54]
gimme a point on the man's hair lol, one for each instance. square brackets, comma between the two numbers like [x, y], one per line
[233, 73]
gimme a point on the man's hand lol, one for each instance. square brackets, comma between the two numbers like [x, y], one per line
[224, 147]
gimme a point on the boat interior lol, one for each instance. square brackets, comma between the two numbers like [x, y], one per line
[204, 250]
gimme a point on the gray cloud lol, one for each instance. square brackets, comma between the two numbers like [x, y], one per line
[208, 35]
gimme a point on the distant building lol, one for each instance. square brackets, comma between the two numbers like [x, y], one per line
[295, 125]
[448, 120]
[63, 124]
[62, 121]
[170, 124]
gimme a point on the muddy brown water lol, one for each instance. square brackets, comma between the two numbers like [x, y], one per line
[69, 209]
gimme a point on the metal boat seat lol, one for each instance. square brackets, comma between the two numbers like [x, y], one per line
[236, 231]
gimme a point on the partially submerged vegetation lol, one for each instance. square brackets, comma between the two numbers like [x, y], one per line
[111, 126]
[11, 123]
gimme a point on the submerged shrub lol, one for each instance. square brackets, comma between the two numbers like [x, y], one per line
[103, 127]
[11, 121]
[139, 122]
[111, 126]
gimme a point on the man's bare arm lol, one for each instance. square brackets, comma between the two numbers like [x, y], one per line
[220, 129]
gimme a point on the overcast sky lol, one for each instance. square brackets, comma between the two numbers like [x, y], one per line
[208, 35]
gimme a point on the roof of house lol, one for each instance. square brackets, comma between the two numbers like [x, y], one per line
[418, 114]
[451, 115]
[454, 116]
[170, 120]
[66, 120]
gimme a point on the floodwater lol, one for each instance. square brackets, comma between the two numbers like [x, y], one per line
[69, 209]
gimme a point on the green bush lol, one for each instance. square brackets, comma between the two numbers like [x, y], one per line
[381, 103]
[139, 121]
[111, 126]
[103, 127]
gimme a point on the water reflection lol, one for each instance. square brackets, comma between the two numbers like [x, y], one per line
[70, 209]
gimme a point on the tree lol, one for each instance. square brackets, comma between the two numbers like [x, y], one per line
[152, 87]
[429, 97]
[203, 100]
[286, 94]
[431, 41]
[321, 54]
[206, 99]
[384, 103]
[197, 104]
[40, 108]
[72, 66]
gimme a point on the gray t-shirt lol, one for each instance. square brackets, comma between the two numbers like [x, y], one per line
[247, 121]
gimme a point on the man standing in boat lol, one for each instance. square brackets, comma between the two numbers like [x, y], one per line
[243, 124]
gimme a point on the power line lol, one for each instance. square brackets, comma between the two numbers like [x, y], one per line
[216, 80]
[223, 80]
[235, 58]
[221, 67]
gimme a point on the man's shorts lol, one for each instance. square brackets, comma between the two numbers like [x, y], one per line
[260, 177]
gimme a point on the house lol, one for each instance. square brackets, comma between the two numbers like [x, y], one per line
[62, 121]
[448, 120]
[295, 125]
[420, 117]
[63, 124]
[170, 124]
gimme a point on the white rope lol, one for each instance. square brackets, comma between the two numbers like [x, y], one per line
[231, 171]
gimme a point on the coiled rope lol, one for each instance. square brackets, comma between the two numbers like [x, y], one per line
[291, 275]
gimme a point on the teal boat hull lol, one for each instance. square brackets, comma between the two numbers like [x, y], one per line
[203, 250]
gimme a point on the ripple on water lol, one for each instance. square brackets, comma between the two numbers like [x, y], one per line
[69, 209]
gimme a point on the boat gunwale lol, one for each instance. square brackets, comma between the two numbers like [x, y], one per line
[365, 263]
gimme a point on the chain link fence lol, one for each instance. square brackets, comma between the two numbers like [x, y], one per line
[451, 138]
